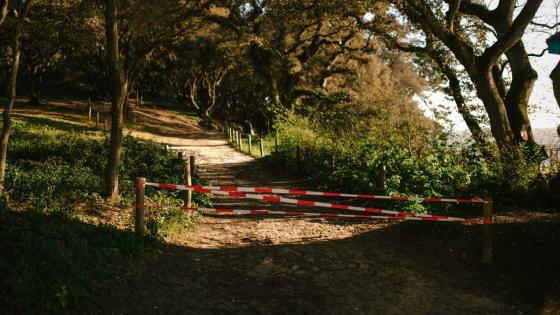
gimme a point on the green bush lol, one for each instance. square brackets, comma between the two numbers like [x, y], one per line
[54, 169]
[357, 162]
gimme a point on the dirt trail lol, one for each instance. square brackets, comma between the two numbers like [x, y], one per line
[287, 265]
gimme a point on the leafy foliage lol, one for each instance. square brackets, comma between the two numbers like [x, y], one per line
[53, 169]
[364, 162]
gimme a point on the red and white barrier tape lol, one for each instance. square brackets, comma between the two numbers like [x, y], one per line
[307, 203]
[327, 194]
[325, 215]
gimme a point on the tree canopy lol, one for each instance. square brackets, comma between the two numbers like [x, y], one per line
[359, 64]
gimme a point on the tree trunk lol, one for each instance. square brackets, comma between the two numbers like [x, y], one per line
[488, 93]
[119, 84]
[555, 77]
[35, 87]
[6, 115]
[3, 10]
[517, 98]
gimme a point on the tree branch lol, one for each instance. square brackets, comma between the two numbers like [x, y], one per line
[451, 13]
[513, 35]
[545, 25]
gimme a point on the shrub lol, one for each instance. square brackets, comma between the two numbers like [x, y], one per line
[357, 161]
[53, 169]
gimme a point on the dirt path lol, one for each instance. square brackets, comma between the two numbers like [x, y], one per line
[286, 265]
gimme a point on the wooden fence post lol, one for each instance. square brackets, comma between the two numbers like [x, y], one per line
[276, 140]
[139, 226]
[97, 120]
[382, 178]
[261, 143]
[106, 125]
[192, 167]
[188, 181]
[240, 141]
[487, 232]
[250, 144]
[89, 111]
[298, 158]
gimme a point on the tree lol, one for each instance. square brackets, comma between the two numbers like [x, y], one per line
[50, 35]
[506, 104]
[134, 31]
[23, 7]
[119, 89]
[3, 10]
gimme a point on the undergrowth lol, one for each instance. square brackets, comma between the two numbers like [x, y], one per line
[60, 243]
[393, 165]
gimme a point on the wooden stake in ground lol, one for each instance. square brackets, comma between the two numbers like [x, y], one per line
[187, 178]
[97, 120]
[487, 232]
[139, 226]
[241, 141]
[262, 146]
[89, 112]
[250, 144]
[190, 167]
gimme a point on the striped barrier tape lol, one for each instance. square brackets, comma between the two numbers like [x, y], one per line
[302, 202]
[334, 194]
[325, 215]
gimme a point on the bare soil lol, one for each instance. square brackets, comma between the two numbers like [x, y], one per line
[294, 265]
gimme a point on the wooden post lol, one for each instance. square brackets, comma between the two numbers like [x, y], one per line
[141, 101]
[241, 141]
[191, 167]
[298, 158]
[187, 178]
[106, 125]
[382, 178]
[250, 144]
[262, 146]
[89, 112]
[137, 99]
[139, 226]
[276, 140]
[487, 232]
[97, 120]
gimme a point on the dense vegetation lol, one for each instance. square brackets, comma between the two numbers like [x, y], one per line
[389, 163]
[340, 65]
